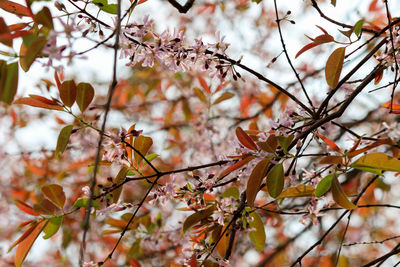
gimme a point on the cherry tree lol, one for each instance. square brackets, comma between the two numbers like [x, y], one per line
[228, 133]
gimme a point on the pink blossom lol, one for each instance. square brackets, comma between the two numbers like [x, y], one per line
[86, 190]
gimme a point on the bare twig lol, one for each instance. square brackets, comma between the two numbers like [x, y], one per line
[278, 21]
[93, 181]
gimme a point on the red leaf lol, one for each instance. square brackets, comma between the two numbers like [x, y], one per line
[322, 29]
[305, 48]
[57, 80]
[245, 139]
[9, 36]
[329, 142]
[334, 66]
[204, 84]
[321, 39]
[68, 92]
[325, 38]
[15, 8]
[24, 247]
[235, 166]
[255, 180]
[35, 102]
[378, 77]
[25, 207]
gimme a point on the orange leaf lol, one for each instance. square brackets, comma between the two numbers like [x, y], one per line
[223, 242]
[255, 180]
[142, 144]
[355, 145]
[24, 235]
[329, 142]
[24, 247]
[334, 66]
[38, 101]
[368, 147]
[204, 84]
[55, 194]
[395, 107]
[331, 160]
[245, 139]
[235, 166]
[15, 8]
[25, 207]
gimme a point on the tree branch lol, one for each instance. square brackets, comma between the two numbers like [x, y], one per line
[182, 9]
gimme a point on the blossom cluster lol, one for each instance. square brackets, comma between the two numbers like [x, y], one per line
[393, 46]
[141, 44]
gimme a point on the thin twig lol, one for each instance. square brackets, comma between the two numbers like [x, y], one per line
[86, 222]
[278, 21]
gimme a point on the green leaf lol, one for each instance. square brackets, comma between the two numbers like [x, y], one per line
[103, 5]
[44, 17]
[159, 220]
[30, 49]
[377, 160]
[358, 27]
[324, 185]
[82, 202]
[55, 194]
[257, 236]
[255, 180]
[231, 192]
[339, 196]
[63, 139]
[275, 180]
[285, 141]
[196, 218]
[52, 226]
[142, 144]
[334, 66]
[8, 81]
[84, 95]
[68, 92]
[151, 157]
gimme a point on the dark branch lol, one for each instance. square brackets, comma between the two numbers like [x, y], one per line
[182, 9]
